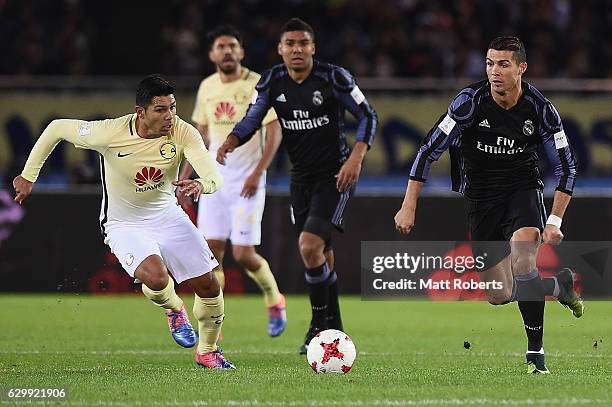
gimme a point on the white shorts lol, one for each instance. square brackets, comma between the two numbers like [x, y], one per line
[226, 215]
[172, 236]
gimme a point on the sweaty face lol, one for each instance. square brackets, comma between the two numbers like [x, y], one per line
[503, 71]
[159, 115]
[297, 49]
[226, 54]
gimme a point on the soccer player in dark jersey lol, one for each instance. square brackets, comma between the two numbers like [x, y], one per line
[493, 129]
[310, 98]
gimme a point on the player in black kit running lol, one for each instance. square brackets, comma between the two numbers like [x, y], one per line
[493, 129]
[310, 99]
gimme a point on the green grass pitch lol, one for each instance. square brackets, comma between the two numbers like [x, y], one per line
[117, 351]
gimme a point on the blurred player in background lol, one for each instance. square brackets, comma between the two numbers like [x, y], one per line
[494, 128]
[310, 98]
[236, 211]
[140, 221]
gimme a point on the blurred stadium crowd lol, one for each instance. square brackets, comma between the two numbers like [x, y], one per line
[377, 38]
[373, 38]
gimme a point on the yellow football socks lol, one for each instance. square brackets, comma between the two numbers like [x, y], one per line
[266, 281]
[210, 315]
[220, 275]
[165, 298]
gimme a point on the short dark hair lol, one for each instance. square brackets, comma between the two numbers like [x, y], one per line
[510, 43]
[297, 24]
[152, 85]
[221, 30]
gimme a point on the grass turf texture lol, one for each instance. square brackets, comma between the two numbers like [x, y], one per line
[117, 351]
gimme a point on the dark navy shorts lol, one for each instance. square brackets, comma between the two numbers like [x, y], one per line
[319, 207]
[492, 222]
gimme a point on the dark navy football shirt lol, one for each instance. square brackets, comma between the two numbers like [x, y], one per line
[493, 150]
[311, 115]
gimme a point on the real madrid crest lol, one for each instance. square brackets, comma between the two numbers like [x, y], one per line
[168, 150]
[317, 98]
[528, 128]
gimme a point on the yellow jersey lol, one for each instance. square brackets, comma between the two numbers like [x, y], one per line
[137, 173]
[221, 106]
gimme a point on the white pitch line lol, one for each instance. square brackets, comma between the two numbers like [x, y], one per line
[382, 402]
[467, 353]
[129, 352]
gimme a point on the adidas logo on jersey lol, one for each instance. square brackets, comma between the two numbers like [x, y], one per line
[281, 98]
[484, 123]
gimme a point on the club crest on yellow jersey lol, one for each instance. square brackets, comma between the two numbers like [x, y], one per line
[168, 150]
[241, 97]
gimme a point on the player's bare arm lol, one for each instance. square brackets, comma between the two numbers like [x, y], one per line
[348, 175]
[404, 219]
[273, 139]
[203, 129]
[552, 232]
[23, 188]
[230, 144]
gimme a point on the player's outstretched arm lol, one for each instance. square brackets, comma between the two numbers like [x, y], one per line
[23, 188]
[404, 219]
[251, 122]
[57, 130]
[274, 136]
[436, 142]
[230, 145]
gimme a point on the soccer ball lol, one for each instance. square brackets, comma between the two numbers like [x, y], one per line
[331, 351]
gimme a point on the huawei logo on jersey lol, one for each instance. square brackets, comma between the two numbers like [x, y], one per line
[148, 178]
[225, 109]
[148, 175]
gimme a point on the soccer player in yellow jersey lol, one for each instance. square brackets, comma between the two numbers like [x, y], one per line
[222, 101]
[140, 220]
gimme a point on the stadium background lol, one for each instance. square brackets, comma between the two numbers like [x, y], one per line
[83, 59]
